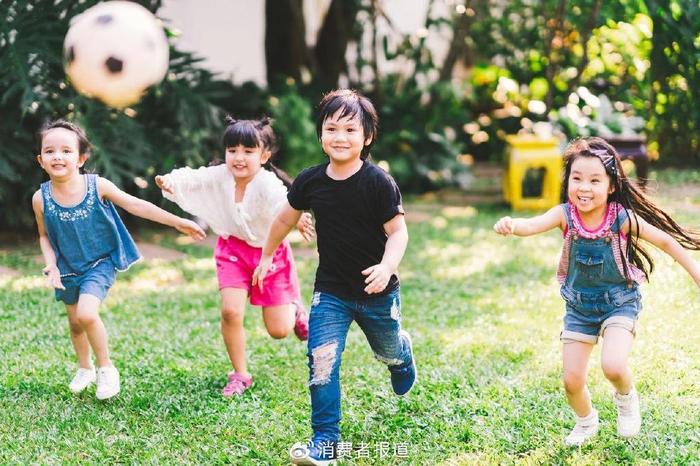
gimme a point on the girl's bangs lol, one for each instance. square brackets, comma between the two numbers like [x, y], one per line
[242, 134]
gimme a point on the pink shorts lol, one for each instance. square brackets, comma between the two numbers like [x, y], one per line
[236, 261]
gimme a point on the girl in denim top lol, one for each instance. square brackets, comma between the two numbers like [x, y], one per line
[601, 267]
[84, 243]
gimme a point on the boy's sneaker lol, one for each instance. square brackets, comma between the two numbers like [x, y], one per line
[585, 428]
[237, 384]
[83, 378]
[629, 419]
[314, 453]
[404, 377]
[301, 321]
[107, 382]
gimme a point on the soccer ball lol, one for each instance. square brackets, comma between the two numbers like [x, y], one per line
[114, 51]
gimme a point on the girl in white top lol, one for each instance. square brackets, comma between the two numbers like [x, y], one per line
[239, 200]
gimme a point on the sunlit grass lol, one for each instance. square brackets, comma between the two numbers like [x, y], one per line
[485, 316]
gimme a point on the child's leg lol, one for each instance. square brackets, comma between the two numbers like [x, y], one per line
[380, 320]
[233, 302]
[78, 337]
[575, 358]
[279, 320]
[617, 343]
[329, 321]
[89, 318]
[281, 286]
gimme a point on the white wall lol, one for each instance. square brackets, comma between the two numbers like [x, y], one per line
[230, 34]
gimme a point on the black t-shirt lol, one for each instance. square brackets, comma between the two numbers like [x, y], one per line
[350, 215]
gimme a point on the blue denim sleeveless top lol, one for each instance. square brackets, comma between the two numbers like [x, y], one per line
[87, 233]
[594, 264]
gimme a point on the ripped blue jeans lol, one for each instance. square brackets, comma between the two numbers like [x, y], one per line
[379, 317]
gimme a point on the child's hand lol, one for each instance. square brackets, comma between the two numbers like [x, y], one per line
[53, 276]
[305, 225]
[190, 228]
[505, 226]
[261, 271]
[378, 277]
[164, 183]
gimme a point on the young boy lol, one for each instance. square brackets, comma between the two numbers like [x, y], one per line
[362, 237]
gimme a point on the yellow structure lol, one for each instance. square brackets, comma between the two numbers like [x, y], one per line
[533, 172]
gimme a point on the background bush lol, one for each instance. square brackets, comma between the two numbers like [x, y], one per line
[509, 65]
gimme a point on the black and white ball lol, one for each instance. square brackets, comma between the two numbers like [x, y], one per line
[114, 51]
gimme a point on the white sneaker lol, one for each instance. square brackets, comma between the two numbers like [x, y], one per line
[83, 378]
[629, 420]
[585, 428]
[107, 382]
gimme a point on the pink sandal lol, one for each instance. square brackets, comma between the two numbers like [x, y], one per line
[237, 384]
[301, 322]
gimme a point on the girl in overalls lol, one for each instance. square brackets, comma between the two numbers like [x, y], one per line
[601, 267]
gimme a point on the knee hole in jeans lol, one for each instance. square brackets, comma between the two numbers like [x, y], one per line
[323, 359]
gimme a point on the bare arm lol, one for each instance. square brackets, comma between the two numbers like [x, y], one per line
[286, 219]
[553, 218]
[51, 270]
[666, 243]
[145, 209]
[378, 275]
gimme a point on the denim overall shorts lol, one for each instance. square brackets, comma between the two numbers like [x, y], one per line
[597, 294]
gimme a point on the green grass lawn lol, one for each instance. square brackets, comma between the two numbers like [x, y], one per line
[485, 316]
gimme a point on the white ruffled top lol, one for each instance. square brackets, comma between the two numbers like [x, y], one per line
[209, 193]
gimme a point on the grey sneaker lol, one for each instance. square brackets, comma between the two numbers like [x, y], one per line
[107, 382]
[629, 420]
[585, 428]
[82, 380]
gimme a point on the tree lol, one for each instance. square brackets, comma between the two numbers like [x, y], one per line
[675, 79]
[286, 52]
[176, 123]
[285, 42]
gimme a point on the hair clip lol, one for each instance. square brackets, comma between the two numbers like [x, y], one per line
[606, 158]
[264, 121]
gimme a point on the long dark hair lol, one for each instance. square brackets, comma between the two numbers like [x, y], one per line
[253, 133]
[352, 104]
[632, 200]
[84, 144]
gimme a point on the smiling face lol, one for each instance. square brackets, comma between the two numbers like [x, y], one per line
[245, 162]
[343, 138]
[589, 185]
[60, 153]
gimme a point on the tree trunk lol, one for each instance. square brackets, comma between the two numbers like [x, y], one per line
[332, 41]
[458, 47]
[285, 44]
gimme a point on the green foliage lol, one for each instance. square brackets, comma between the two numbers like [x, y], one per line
[517, 55]
[176, 123]
[675, 79]
[590, 115]
[418, 133]
[294, 125]
[420, 117]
